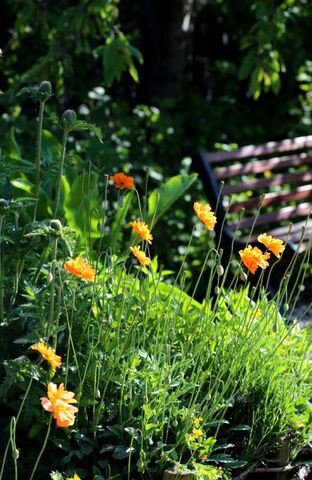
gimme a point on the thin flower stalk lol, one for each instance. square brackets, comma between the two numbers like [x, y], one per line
[61, 168]
[1, 269]
[52, 288]
[38, 156]
[42, 450]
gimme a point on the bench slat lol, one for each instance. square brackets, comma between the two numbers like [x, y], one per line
[285, 233]
[261, 183]
[283, 214]
[250, 151]
[262, 166]
[301, 193]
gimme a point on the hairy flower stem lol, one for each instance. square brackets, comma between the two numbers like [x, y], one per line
[1, 272]
[16, 420]
[52, 289]
[13, 446]
[38, 156]
[61, 168]
[42, 449]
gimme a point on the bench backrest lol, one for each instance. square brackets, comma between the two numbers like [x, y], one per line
[277, 175]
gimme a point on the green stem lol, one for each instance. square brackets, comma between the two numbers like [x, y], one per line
[13, 446]
[1, 272]
[42, 449]
[52, 289]
[38, 156]
[16, 420]
[61, 167]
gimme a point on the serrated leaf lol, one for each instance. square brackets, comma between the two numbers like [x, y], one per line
[81, 125]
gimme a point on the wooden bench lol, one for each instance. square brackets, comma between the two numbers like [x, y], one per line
[275, 175]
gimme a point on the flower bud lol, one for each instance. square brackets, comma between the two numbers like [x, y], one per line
[220, 270]
[45, 90]
[4, 203]
[68, 119]
[217, 290]
[56, 224]
[49, 278]
[243, 277]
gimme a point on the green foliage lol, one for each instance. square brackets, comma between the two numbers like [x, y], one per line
[81, 206]
[118, 56]
[161, 199]
[66, 36]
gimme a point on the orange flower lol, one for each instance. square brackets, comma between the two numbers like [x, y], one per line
[122, 181]
[253, 257]
[275, 245]
[205, 214]
[81, 268]
[141, 229]
[48, 353]
[143, 259]
[59, 402]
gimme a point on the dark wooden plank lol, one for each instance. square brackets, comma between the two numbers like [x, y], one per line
[293, 232]
[249, 151]
[301, 193]
[261, 166]
[261, 183]
[286, 213]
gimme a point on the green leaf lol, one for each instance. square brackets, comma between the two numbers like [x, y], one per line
[118, 56]
[81, 206]
[56, 476]
[51, 147]
[161, 199]
[115, 233]
[246, 66]
[169, 291]
[122, 451]
[12, 150]
[239, 428]
[148, 411]
[22, 184]
[221, 458]
[81, 125]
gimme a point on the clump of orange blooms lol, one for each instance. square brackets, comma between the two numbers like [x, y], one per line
[205, 214]
[81, 268]
[141, 229]
[123, 181]
[48, 353]
[253, 258]
[275, 245]
[59, 402]
[140, 255]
